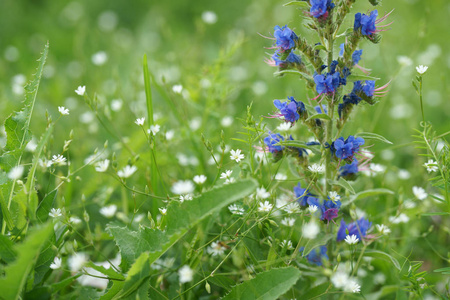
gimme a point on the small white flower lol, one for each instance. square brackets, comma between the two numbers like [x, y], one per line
[355, 287]
[431, 166]
[77, 261]
[419, 193]
[265, 207]
[75, 220]
[56, 264]
[236, 155]
[285, 126]
[199, 179]
[280, 176]
[55, 213]
[339, 279]
[209, 17]
[178, 88]
[409, 204]
[186, 274]
[170, 134]
[59, 159]
[383, 229]
[226, 121]
[236, 209]
[226, 174]
[421, 69]
[183, 187]
[312, 208]
[334, 196]
[139, 121]
[116, 104]
[404, 60]
[154, 129]
[32, 145]
[127, 171]
[310, 230]
[45, 163]
[289, 222]
[402, 218]
[108, 211]
[229, 180]
[379, 278]
[292, 208]
[163, 210]
[404, 174]
[63, 111]
[81, 90]
[16, 172]
[187, 197]
[215, 249]
[377, 168]
[102, 166]
[316, 168]
[261, 193]
[351, 240]
[287, 244]
[99, 58]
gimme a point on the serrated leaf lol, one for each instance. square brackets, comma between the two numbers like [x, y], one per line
[342, 183]
[319, 116]
[266, 285]
[299, 4]
[312, 244]
[17, 272]
[7, 253]
[139, 272]
[373, 136]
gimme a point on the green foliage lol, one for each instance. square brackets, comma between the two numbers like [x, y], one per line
[267, 285]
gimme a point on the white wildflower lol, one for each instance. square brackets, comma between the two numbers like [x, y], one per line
[280, 176]
[383, 229]
[163, 210]
[77, 261]
[334, 196]
[170, 134]
[431, 166]
[312, 208]
[226, 174]
[186, 274]
[377, 168]
[108, 211]
[209, 17]
[419, 193]
[404, 174]
[265, 207]
[16, 172]
[421, 69]
[56, 264]
[226, 121]
[316, 168]
[59, 159]
[339, 279]
[182, 187]
[289, 222]
[236, 155]
[81, 90]
[139, 121]
[63, 111]
[285, 126]
[261, 193]
[402, 218]
[310, 230]
[154, 129]
[127, 171]
[353, 286]
[45, 163]
[287, 244]
[102, 166]
[229, 180]
[404, 60]
[74, 220]
[55, 213]
[99, 58]
[187, 197]
[178, 88]
[215, 249]
[292, 208]
[199, 179]
[116, 104]
[351, 240]
[236, 209]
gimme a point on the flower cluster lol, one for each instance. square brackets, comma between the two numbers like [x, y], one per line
[358, 228]
[330, 82]
[346, 149]
[321, 8]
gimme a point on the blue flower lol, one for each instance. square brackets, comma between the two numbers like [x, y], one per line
[304, 197]
[292, 58]
[351, 98]
[341, 46]
[272, 140]
[344, 149]
[320, 8]
[349, 169]
[290, 110]
[366, 23]
[327, 84]
[285, 37]
[358, 228]
[316, 257]
[356, 56]
[321, 110]
[369, 88]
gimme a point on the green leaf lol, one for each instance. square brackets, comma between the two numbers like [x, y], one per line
[383, 256]
[17, 272]
[45, 206]
[111, 273]
[316, 291]
[368, 193]
[7, 253]
[180, 217]
[443, 270]
[360, 77]
[435, 214]
[299, 4]
[320, 47]
[294, 72]
[266, 285]
[139, 272]
[311, 244]
[299, 144]
[55, 287]
[373, 136]
[319, 116]
[342, 183]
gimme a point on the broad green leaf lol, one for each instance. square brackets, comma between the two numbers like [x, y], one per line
[139, 272]
[114, 290]
[316, 292]
[320, 241]
[367, 193]
[299, 4]
[360, 77]
[342, 183]
[319, 116]
[7, 253]
[180, 217]
[110, 272]
[46, 257]
[443, 270]
[45, 206]
[266, 285]
[383, 256]
[55, 287]
[299, 144]
[373, 136]
[17, 272]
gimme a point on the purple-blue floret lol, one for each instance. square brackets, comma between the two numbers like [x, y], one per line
[316, 256]
[358, 228]
[366, 23]
[271, 140]
[285, 37]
